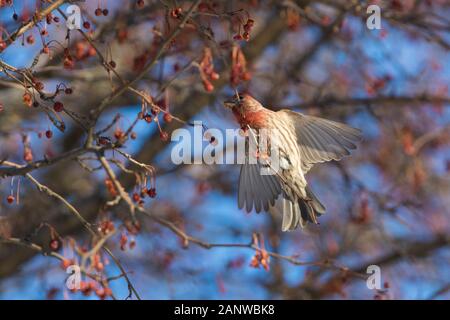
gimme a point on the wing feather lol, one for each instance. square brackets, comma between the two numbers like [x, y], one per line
[321, 140]
[256, 190]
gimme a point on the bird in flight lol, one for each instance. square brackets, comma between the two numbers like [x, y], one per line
[301, 141]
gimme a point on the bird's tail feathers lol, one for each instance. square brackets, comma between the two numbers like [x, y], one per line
[296, 214]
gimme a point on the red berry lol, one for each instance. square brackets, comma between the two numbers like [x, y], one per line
[214, 76]
[151, 192]
[112, 63]
[167, 117]
[136, 197]
[68, 91]
[208, 86]
[68, 62]
[99, 266]
[66, 263]
[28, 155]
[30, 39]
[105, 12]
[10, 199]
[39, 86]
[108, 291]
[2, 45]
[98, 12]
[123, 241]
[132, 244]
[133, 135]
[58, 106]
[54, 244]
[49, 134]
[148, 118]
[86, 25]
[118, 134]
[100, 293]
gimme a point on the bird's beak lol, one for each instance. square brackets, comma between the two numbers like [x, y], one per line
[229, 104]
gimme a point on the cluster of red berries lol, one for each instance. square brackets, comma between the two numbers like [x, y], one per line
[88, 287]
[261, 258]
[49, 18]
[238, 67]
[138, 197]
[207, 71]
[149, 117]
[48, 133]
[38, 85]
[133, 227]
[111, 187]
[68, 60]
[247, 28]
[106, 227]
[84, 50]
[124, 242]
[27, 99]
[163, 105]
[176, 13]
[98, 12]
[97, 263]
[4, 3]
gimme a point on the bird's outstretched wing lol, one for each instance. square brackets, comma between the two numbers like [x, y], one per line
[322, 140]
[256, 190]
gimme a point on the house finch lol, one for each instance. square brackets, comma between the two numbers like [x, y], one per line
[300, 141]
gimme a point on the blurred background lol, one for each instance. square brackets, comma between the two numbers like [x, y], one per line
[176, 61]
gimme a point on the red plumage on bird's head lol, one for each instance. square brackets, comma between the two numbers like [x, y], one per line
[248, 111]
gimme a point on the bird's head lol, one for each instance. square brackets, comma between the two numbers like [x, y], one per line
[247, 110]
[243, 103]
